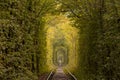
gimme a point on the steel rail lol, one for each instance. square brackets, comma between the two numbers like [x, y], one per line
[50, 74]
[71, 75]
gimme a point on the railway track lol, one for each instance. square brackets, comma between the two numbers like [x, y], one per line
[59, 74]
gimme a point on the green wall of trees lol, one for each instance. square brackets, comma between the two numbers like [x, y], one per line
[22, 38]
[99, 37]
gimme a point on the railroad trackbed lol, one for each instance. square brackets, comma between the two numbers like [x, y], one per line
[59, 74]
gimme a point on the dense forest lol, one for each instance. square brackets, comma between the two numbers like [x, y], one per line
[99, 25]
[23, 37]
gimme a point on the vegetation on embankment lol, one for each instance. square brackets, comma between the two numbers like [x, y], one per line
[22, 38]
[99, 42]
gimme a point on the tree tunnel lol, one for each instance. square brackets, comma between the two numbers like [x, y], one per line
[62, 43]
[60, 56]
